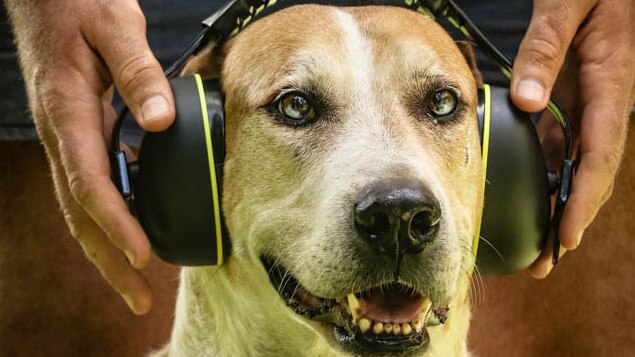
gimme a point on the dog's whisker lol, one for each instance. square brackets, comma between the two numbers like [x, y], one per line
[477, 287]
[466, 253]
[295, 290]
[472, 289]
[286, 279]
[493, 247]
[479, 277]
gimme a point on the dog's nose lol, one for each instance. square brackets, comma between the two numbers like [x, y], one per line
[397, 217]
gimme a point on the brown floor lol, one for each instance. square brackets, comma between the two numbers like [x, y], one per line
[54, 303]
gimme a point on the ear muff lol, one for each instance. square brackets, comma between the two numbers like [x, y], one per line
[179, 183]
[177, 191]
[517, 206]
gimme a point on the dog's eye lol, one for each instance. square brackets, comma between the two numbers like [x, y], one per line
[296, 107]
[443, 103]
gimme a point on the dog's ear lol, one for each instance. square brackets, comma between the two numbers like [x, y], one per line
[467, 49]
[207, 63]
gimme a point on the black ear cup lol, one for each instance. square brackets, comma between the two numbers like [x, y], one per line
[517, 206]
[177, 192]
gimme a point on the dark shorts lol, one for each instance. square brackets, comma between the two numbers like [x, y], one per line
[173, 23]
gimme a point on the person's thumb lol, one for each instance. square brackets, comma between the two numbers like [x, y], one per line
[553, 25]
[135, 71]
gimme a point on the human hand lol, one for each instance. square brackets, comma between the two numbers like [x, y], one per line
[71, 52]
[601, 34]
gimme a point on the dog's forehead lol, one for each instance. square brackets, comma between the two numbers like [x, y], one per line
[322, 41]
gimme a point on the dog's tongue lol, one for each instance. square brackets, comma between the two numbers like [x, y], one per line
[389, 304]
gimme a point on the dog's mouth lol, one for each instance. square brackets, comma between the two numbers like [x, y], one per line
[392, 317]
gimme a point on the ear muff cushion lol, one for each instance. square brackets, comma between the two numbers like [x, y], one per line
[177, 197]
[517, 206]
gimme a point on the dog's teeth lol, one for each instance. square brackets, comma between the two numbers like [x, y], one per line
[388, 328]
[378, 328]
[396, 329]
[353, 303]
[406, 329]
[417, 325]
[364, 325]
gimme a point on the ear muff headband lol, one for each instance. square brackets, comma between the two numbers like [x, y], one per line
[218, 234]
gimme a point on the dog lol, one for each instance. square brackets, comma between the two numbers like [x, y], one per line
[352, 190]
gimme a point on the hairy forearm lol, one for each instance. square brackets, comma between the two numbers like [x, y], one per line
[19, 11]
[26, 18]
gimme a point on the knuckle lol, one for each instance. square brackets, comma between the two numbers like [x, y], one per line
[135, 73]
[543, 51]
[112, 12]
[74, 226]
[604, 163]
[53, 95]
[81, 188]
[612, 159]
[92, 254]
[546, 41]
[138, 19]
[56, 102]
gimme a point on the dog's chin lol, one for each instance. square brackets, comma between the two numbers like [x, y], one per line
[389, 318]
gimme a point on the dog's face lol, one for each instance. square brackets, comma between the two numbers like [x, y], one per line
[353, 172]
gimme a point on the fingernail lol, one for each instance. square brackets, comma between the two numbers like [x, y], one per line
[531, 89]
[130, 256]
[562, 251]
[129, 301]
[547, 270]
[578, 238]
[154, 108]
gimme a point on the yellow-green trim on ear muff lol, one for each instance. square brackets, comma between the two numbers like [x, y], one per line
[487, 100]
[212, 171]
